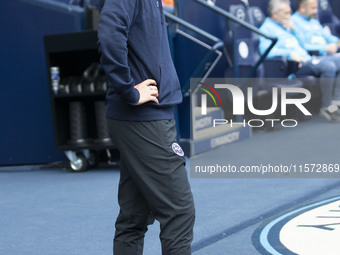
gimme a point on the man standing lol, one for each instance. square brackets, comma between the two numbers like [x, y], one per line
[280, 25]
[143, 90]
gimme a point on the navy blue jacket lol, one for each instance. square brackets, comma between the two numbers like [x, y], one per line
[134, 47]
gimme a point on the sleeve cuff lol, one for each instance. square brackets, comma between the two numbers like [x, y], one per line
[131, 96]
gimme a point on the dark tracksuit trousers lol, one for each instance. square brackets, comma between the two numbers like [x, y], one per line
[328, 69]
[153, 183]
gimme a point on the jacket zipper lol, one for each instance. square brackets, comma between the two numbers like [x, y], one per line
[160, 7]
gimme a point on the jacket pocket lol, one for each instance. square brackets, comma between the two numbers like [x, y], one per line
[168, 86]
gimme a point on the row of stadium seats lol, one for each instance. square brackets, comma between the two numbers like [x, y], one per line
[242, 47]
[242, 44]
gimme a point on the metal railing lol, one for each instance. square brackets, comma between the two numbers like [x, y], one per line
[211, 57]
[213, 50]
[246, 25]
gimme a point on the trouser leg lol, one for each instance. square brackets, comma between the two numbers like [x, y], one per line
[326, 71]
[161, 178]
[335, 58]
[133, 218]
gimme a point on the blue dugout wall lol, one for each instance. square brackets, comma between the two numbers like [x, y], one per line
[26, 129]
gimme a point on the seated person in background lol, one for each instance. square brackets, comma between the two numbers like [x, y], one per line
[309, 31]
[280, 25]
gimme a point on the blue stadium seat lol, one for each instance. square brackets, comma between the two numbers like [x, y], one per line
[262, 5]
[327, 17]
[241, 44]
[256, 15]
[226, 4]
[335, 7]
[293, 5]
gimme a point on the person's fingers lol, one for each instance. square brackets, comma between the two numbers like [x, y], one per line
[154, 94]
[154, 99]
[149, 82]
[148, 91]
[153, 89]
